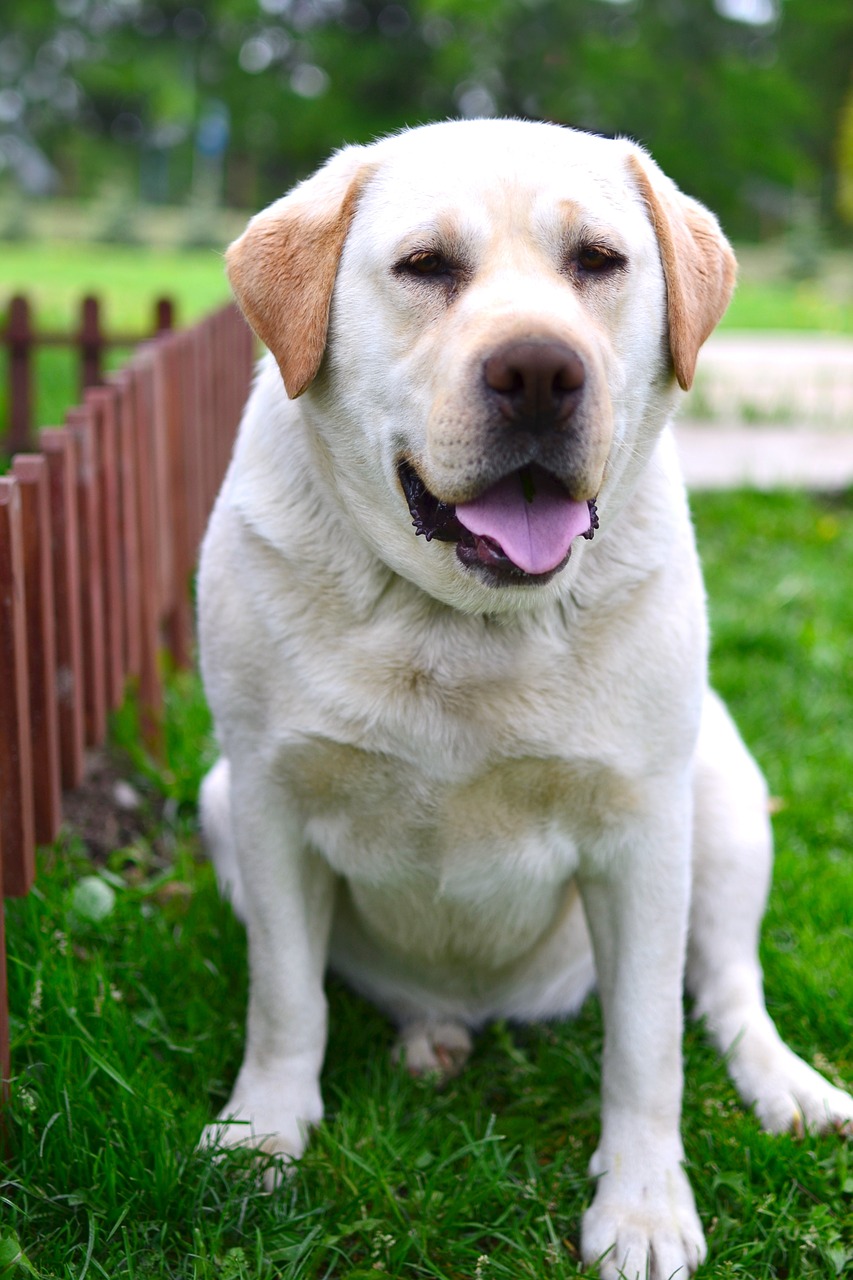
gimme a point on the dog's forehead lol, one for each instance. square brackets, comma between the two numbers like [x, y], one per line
[497, 170]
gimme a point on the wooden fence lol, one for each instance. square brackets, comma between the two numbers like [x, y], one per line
[99, 530]
[91, 341]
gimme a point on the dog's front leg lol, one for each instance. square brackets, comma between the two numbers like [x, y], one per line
[288, 900]
[643, 1220]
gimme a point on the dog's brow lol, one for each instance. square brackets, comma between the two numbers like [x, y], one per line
[572, 210]
[582, 223]
[438, 231]
[592, 231]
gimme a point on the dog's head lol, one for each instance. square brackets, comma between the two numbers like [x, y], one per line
[488, 320]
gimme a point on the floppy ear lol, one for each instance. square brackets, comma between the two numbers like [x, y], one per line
[698, 263]
[283, 267]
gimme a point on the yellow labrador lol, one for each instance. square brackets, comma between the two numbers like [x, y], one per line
[454, 639]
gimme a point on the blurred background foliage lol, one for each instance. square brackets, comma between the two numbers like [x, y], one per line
[747, 103]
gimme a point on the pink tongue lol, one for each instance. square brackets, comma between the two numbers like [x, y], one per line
[535, 535]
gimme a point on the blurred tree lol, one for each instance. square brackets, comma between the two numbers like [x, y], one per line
[710, 96]
[741, 100]
[816, 49]
[845, 160]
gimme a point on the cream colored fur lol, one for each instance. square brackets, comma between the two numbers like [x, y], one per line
[478, 801]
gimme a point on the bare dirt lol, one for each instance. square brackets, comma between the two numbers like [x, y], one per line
[109, 811]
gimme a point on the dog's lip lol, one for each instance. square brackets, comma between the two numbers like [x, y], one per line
[430, 516]
[435, 519]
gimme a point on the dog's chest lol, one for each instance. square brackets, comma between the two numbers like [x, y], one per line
[495, 765]
[458, 793]
[377, 818]
[448, 856]
[474, 868]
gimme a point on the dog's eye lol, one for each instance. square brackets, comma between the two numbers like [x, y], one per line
[425, 263]
[596, 259]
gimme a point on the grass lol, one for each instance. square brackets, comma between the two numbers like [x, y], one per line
[782, 305]
[128, 1030]
[768, 297]
[56, 276]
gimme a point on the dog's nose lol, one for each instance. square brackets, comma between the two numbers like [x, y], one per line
[538, 385]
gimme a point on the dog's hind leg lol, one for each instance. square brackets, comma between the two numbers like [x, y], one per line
[731, 877]
[438, 1049]
[218, 834]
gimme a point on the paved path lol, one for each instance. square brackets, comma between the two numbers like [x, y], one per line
[801, 385]
[721, 457]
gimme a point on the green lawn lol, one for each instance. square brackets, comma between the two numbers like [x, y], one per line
[128, 1031]
[129, 279]
[768, 297]
[808, 307]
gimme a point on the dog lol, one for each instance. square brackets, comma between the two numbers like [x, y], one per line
[453, 636]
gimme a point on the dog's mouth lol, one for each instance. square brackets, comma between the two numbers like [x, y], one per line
[518, 532]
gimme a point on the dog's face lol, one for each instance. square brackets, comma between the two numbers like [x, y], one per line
[488, 320]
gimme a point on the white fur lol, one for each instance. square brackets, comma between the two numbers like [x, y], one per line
[434, 784]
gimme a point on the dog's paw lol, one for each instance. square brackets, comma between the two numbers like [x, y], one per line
[231, 1133]
[795, 1098]
[642, 1227]
[438, 1049]
[265, 1123]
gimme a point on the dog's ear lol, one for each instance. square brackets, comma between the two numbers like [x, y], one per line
[283, 267]
[698, 263]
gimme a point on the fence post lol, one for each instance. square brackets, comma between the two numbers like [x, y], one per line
[80, 423]
[16, 793]
[103, 403]
[31, 473]
[194, 442]
[91, 341]
[20, 339]
[60, 450]
[5, 1056]
[179, 619]
[150, 683]
[129, 518]
[164, 315]
[158, 462]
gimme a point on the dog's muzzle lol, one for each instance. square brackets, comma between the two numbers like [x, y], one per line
[519, 531]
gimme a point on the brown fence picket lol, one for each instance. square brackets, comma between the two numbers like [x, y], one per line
[150, 682]
[207, 404]
[31, 473]
[179, 616]
[5, 1047]
[19, 340]
[16, 793]
[60, 449]
[80, 421]
[195, 421]
[163, 491]
[102, 401]
[91, 340]
[129, 520]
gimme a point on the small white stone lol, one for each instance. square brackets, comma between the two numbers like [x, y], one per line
[126, 796]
